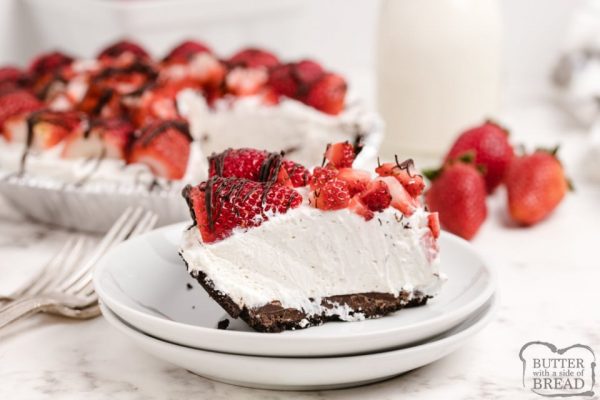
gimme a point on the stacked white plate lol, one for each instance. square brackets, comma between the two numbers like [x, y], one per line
[147, 294]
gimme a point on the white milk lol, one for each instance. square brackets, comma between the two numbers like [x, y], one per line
[438, 71]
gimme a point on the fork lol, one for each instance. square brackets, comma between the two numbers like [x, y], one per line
[72, 294]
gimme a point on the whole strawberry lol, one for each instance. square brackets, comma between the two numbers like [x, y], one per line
[458, 194]
[535, 184]
[489, 145]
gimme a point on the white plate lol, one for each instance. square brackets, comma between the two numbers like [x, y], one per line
[145, 282]
[308, 373]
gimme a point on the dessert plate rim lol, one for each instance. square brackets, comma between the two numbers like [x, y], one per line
[307, 373]
[286, 344]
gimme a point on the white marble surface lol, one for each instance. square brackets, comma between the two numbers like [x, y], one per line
[548, 283]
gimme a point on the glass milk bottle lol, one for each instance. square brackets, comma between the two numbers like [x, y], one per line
[438, 70]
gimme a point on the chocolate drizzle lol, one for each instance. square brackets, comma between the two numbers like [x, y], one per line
[152, 131]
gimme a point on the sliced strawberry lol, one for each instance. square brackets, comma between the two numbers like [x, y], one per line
[377, 196]
[48, 128]
[109, 138]
[246, 81]
[333, 195]
[239, 163]
[356, 179]
[405, 174]
[433, 222]
[158, 103]
[130, 78]
[49, 63]
[117, 50]
[283, 81]
[294, 79]
[328, 94]
[15, 105]
[164, 146]
[357, 206]
[12, 78]
[322, 175]
[102, 102]
[307, 72]
[341, 155]
[222, 204]
[253, 58]
[298, 174]
[207, 70]
[401, 199]
[184, 51]
[257, 165]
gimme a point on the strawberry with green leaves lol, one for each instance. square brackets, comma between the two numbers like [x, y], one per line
[489, 146]
[458, 194]
[536, 184]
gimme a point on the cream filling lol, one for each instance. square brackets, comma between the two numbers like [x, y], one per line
[307, 253]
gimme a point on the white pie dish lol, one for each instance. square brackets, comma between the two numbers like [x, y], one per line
[145, 282]
[92, 206]
[280, 373]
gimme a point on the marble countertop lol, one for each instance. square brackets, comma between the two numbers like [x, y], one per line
[548, 285]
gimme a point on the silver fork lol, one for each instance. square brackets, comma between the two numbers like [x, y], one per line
[59, 266]
[73, 295]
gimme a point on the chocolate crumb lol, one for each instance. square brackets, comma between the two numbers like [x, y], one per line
[223, 324]
[189, 286]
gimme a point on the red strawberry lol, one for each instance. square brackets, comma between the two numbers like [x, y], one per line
[433, 221]
[239, 163]
[16, 104]
[222, 204]
[341, 155]
[294, 79]
[536, 184]
[12, 78]
[458, 194]
[356, 179]
[246, 81]
[299, 175]
[164, 146]
[322, 175]
[489, 145]
[49, 63]
[49, 128]
[377, 196]
[158, 103]
[100, 101]
[357, 206]
[401, 199]
[184, 51]
[404, 173]
[108, 138]
[253, 58]
[283, 81]
[257, 165]
[333, 195]
[306, 72]
[117, 49]
[327, 94]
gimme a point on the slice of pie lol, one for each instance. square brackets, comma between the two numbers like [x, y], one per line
[284, 248]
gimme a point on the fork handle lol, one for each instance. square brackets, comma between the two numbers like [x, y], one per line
[24, 308]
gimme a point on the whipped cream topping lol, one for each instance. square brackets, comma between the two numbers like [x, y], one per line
[307, 253]
[49, 164]
[300, 130]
